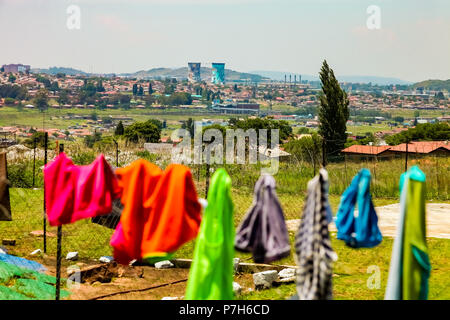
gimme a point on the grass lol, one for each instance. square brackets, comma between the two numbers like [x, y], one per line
[350, 271]
[26, 117]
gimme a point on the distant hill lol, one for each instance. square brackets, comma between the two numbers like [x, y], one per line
[55, 70]
[279, 75]
[437, 85]
[205, 74]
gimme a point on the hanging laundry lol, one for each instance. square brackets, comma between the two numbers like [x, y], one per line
[5, 205]
[161, 212]
[112, 219]
[313, 252]
[263, 230]
[211, 273]
[360, 231]
[78, 192]
[410, 265]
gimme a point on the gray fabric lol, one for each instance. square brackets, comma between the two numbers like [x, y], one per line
[313, 252]
[5, 206]
[111, 220]
[263, 230]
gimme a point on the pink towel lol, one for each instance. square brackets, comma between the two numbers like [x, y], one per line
[76, 192]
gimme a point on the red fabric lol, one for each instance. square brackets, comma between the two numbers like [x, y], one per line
[161, 211]
[78, 192]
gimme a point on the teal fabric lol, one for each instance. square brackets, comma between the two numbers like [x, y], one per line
[410, 266]
[361, 231]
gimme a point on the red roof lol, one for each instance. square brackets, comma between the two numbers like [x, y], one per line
[413, 147]
[421, 146]
[375, 150]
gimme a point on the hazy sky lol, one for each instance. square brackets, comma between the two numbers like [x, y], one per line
[280, 35]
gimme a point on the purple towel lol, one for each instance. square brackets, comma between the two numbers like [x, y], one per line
[263, 230]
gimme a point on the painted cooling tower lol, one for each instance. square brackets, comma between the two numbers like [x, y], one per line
[218, 73]
[194, 72]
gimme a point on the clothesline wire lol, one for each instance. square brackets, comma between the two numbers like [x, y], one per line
[138, 290]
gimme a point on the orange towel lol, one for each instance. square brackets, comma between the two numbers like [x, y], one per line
[161, 212]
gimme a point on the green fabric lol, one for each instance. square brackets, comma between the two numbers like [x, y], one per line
[416, 265]
[20, 283]
[36, 289]
[211, 273]
[9, 294]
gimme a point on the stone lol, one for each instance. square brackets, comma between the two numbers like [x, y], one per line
[287, 273]
[265, 279]
[164, 264]
[37, 251]
[106, 259]
[3, 250]
[169, 298]
[40, 233]
[236, 262]
[72, 256]
[9, 242]
[237, 289]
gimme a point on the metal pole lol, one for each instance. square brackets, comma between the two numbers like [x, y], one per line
[324, 156]
[117, 153]
[207, 180]
[34, 160]
[45, 209]
[406, 157]
[58, 251]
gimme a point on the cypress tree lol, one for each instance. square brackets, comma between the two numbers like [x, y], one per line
[333, 112]
[119, 129]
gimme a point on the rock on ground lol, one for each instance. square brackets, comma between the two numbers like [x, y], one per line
[287, 273]
[164, 264]
[106, 259]
[237, 289]
[72, 256]
[265, 279]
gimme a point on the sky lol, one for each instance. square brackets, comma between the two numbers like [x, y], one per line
[116, 36]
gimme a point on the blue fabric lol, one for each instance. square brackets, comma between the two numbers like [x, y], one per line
[21, 262]
[361, 231]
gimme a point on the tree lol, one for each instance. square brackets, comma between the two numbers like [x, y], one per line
[135, 89]
[150, 89]
[41, 100]
[140, 91]
[306, 149]
[90, 140]
[189, 125]
[63, 97]
[146, 131]
[11, 78]
[333, 112]
[99, 87]
[119, 129]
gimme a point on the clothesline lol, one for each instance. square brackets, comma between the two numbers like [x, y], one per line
[162, 211]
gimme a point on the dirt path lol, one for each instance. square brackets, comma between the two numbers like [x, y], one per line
[438, 220]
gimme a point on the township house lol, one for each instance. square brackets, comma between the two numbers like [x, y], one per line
[416, 149]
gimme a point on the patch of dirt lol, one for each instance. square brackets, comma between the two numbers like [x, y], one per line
[437, 215]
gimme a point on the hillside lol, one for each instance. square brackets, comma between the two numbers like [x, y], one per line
[438, 85]
[205, 73]
[279, 75]
[56, 70]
